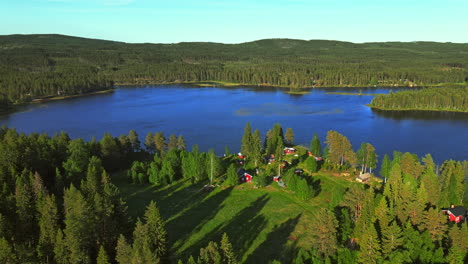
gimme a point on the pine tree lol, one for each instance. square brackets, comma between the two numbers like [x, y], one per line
[181, 143]
[157, 240]
[210, 254]
[324, 230]
[149, 143]
[110, 152]
[289, 137]
[61, 253]
[123, 251]
[246, 147]
[229, 256]
[48, 225]
[256, 147]
[369, 245]
[435, 223]
[392, 238]
[385, 168]
[172, 143]
[160, 143]
[76, 164]
[315, 146]
[279, 151]
[134, 140]
[102, 256]
[79, 228]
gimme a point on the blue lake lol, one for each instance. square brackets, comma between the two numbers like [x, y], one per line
[215, 118]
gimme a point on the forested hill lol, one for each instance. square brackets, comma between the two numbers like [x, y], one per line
[33, 66]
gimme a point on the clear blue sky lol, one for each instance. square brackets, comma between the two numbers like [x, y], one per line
[170, 21]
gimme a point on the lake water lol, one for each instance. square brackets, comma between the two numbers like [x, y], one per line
[215, 118]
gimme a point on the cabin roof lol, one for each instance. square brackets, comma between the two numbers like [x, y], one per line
[457, 210]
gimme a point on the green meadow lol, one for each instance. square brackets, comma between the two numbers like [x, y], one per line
[263, 224]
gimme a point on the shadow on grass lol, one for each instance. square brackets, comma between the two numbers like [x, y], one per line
[242, 229]
[202, 209]
[275, 246]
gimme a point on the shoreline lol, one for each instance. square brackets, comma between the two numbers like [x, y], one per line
[230, 84]
[414, 109]
[57, 98]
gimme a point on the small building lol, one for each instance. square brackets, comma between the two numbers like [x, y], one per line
[245, 177]
[240, 156]
[276, 178]
[289, 151]
[455, 213]
[298, 171]
[363, 177]
[284, 163]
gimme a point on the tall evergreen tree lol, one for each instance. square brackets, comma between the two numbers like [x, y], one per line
[149, 143]
[246, 147]
[369, 245]
[79, 227]
[7, 256]
[160, 143]
[124, 251]
[385, 168]
[229, 257]
[289, 137]
[324, 230]
[256, 147]
[231, 176]
[134, 140]
[315, 146]
[48, 226]
[102, 256]
[181, 143]
[172, 142]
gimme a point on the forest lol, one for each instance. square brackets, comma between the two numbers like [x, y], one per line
[68, 200]
[433, 99]
[38, 66]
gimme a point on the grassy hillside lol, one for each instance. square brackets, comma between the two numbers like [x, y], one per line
[34, 66]
[263, 224]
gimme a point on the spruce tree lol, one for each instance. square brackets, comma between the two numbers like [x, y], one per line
[315, 146]
[311, 164]
[102, 256]
[48, 225]
[256, 148]
[392, 238]
[123, 251]
[229, 257]
[385, 168]
[246, 147]
[157, 235]
[289, 137]
[79, 226]
[369, 246]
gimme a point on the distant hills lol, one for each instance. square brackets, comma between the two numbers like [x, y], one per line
[35, 66]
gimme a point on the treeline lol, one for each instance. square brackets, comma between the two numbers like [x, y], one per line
[436, 99]
[58, 203]
[34, 66]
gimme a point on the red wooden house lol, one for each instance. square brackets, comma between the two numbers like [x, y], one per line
[455, 213]
[289, 151]
[245, 177]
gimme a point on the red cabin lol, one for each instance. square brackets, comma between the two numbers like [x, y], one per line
[289, 151]
[240, 155]
[455, 213]
[276, 178]
[245, 178]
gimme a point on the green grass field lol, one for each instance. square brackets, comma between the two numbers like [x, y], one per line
[262, 224]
